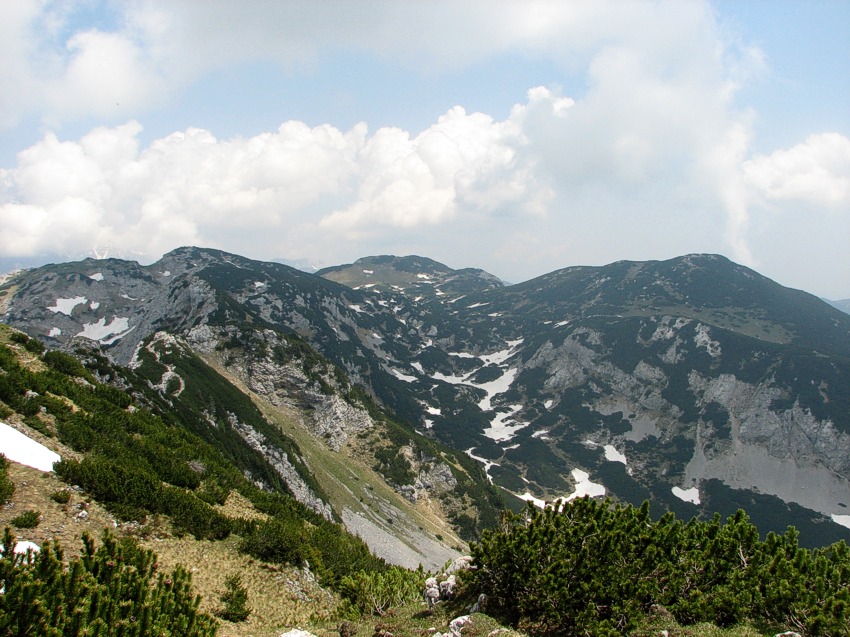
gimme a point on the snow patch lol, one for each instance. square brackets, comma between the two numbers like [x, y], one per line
[166, 273]
[530, 498]
[66, 306]
[453, 380]
[487, 463]
[499, 429]
[401, 376]
[548, 404]
[584, 486]
[97, 276]
[259, 284]
[461, 354]
[107, 334]
[495, 387]
[94, 305]
[20, 448]
[368, 272]
[612, 455]
[54, 332]
[688, 495]
[501, 356]
[843, 520]
[356, 308]
[23, 546]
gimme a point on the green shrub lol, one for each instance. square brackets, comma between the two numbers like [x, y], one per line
[278, 541]
[64, 363]
[595, 568]
[191, 515]
[30, 344]
[61, 497]
[123, 488]
[334, 553]
[114, 590]
[212, 492]
[235, 600]
[374, 592]
[26, 520]
[7, 487]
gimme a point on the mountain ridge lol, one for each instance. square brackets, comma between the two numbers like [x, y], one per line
[693, 371]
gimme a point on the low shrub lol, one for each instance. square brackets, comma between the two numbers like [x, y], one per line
[61, 497]
[7, 487]
[26, 520]
[114, 590]
[235, 600]
[374, 592]
[279, 541]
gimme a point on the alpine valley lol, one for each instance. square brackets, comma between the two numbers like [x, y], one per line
[694, 383]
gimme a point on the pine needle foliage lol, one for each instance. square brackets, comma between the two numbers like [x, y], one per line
[114, 590]
[591, 567]
[235, 600]
[7, 487]
[375, 593]
[27, 520]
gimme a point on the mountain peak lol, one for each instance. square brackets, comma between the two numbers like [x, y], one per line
[411, 274]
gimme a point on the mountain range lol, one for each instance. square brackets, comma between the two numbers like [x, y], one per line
[695, 383]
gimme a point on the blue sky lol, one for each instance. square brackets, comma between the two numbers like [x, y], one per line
[519, 137]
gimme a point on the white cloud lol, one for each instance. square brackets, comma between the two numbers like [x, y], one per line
[816, 171]
[104, 71]
[463, 163]
[190, 187]
[650, 157]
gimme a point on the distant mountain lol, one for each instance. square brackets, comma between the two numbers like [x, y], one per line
[416, 277]
[693, 382]
[843, 305]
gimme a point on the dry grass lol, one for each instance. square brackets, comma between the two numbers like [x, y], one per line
[62, 522]
[280, 598]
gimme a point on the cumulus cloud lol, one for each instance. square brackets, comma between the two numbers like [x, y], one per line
[816, 171]
[190, 187]
[306, 191]
[650, 158]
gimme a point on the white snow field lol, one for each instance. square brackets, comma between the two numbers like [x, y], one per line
[22, 449]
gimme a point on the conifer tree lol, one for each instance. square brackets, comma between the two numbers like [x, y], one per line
[235, 600]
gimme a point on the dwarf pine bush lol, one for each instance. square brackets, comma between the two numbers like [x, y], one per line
[590, 567]
[113, 590]
[7, 487]
[235, 600]
[375, 592]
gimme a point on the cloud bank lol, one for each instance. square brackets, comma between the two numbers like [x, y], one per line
[651, 158]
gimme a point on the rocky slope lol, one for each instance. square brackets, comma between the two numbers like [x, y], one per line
[694, 382]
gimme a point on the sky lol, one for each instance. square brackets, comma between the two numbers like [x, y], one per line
[515, 136]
